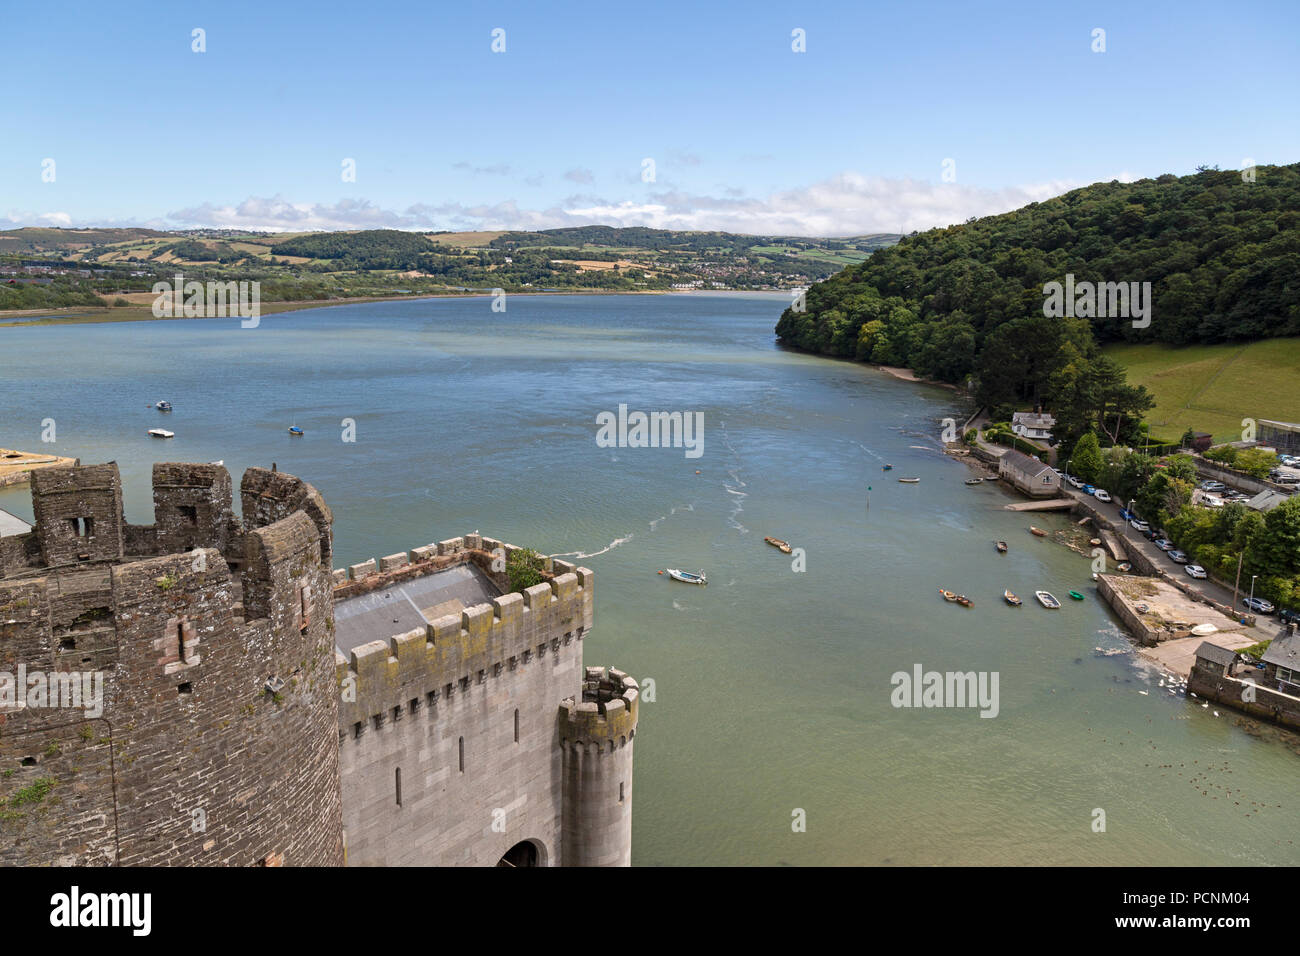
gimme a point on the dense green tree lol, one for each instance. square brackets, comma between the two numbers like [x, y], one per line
[1086, 462]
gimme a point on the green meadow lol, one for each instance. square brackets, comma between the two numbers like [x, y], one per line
[1211, 388]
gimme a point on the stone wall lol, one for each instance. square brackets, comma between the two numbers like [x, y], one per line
[1209, 681]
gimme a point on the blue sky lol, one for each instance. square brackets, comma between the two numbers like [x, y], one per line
[848, 137]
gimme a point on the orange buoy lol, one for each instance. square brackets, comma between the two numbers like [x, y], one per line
[661, 572]
[697, 471]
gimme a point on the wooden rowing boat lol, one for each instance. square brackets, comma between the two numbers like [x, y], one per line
[948, 595]
[1038, 531]
[1011, 599]
[779, 544]
[1047, 600]
[964, 601]
[1001, 546]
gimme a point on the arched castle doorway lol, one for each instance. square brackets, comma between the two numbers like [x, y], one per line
[524, 853]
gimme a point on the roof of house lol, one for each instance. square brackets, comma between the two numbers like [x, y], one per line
[1290, 426]
[1215, 653]
[1034, 419]
[1266, 500]
[1022, 462]
[12, 524]
[1284, 651]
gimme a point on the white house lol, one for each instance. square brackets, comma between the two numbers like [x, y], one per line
[1033, 425]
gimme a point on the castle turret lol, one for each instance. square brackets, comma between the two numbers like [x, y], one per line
[596, 735]
[167, 691]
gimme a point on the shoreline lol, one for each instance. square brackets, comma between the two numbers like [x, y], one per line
[99, 315]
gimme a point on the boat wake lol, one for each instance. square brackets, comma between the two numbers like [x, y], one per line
[655, 524]
[865, 449]
[591, 554]
[739, 483]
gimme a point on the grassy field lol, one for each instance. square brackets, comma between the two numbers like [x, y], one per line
[1211, 388]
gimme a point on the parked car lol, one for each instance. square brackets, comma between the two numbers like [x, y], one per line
[1139, 525]
[1075, 481]
[1164, 544]
[1177, 557]
[1101, 494]
[1195, 570]
[1287, 616]
[1125, 514]
[1213, 486]
[1088, 489]
[1258, 605]
[1288, 480]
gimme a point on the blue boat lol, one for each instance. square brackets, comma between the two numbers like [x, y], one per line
[295, 430]
[888, 468]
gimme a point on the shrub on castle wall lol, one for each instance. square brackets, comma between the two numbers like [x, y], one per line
[524, 569]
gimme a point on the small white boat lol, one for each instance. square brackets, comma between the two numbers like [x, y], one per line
[164, 406]
[687, 577]
[909, 481]
[1047, 600]
[974, 481]
[161, 433]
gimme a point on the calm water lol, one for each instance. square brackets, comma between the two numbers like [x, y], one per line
[772, 687]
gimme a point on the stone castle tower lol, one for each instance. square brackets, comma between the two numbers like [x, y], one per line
[225, 700]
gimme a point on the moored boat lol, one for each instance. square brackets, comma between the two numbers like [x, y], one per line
[1047, 600]
[295, 430]
[948, 595]
[1124, 566]
[974, 481]
[887, 468]
[687, 577]
[1076, 595]
[163, 406]
[964, 601]
[779, 544]
[161, 433]
[909, 481]
[1038, 531]
[1001, 546]
[1011, 599]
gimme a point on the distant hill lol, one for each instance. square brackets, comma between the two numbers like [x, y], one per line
[1222, 256]
[59, 268]
[46, 241]
[376, 261]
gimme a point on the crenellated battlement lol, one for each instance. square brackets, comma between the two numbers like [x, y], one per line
[434, 662]
[607, 711]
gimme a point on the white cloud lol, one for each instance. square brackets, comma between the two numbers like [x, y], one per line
[843, 205]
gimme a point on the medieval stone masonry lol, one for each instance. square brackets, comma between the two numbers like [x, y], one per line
[223, 698]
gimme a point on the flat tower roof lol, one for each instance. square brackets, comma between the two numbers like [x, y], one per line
[407, 605]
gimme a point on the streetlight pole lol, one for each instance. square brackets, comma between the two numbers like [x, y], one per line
[1252, 587]
[1237, 584]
